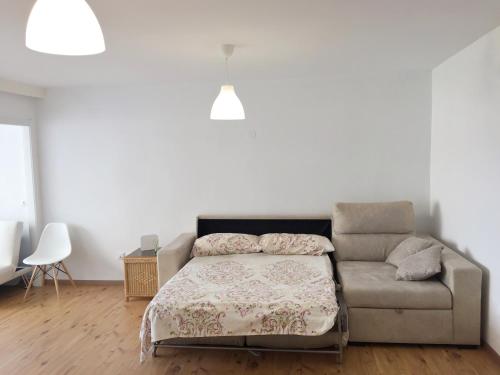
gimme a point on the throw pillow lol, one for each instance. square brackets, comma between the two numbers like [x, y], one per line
[410, 246]
[422, 265]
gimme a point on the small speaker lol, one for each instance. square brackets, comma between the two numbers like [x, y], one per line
[149, 242]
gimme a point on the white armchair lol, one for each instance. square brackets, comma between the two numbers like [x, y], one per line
[10, 244]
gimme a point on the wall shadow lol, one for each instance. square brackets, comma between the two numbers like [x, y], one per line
[437, 219]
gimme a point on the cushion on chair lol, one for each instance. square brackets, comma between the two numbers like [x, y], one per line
[374, 285]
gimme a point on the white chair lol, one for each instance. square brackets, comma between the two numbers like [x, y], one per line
[10, 244]
[54, 246]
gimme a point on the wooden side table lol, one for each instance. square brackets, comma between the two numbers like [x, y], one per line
[141, 276]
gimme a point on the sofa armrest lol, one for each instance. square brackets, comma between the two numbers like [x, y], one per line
[463, 278]
[174, 256]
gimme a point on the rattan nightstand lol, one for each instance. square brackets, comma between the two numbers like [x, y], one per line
[141, 276]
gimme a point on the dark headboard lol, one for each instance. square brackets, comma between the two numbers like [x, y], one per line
[258, 226]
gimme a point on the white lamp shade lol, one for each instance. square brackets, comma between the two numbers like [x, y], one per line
[227, 106]
[64, 27]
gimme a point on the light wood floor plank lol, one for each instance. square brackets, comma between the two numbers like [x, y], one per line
[92, 330]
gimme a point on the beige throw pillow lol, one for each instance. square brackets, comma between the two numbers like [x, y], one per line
[422, 265]
[225, 244]
[295, 244]
[410, 246]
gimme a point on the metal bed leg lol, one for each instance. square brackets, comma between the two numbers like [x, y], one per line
[340, 340]
[340, 323]
[155, 348]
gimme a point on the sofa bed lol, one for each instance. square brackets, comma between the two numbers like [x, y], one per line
[308, 313]
[372, 305]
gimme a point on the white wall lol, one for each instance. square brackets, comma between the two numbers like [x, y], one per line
[465, 164]
[119, 162]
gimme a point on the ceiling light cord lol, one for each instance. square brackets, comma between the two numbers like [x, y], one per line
[227, 50]
[226, 64]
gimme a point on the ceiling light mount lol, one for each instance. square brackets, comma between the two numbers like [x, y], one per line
[228, 50]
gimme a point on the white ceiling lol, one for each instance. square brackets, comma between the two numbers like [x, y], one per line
[165, 40]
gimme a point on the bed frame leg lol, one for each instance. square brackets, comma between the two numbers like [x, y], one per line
[155, 348]
[340, 339]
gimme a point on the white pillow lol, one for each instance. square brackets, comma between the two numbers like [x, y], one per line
[225, 244]
[295, 244]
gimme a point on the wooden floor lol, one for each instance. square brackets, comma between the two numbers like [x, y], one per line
[92, 330]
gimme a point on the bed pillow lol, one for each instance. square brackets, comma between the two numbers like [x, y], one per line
[225, 244]
[295, 244]
[422, 265]
[410, 246]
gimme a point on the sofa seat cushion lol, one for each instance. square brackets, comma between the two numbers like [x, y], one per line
[374, 285]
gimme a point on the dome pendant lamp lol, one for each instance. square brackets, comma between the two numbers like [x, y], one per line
[64, 27]
[227, 106]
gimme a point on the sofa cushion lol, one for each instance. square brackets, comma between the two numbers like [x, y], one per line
[422, 265]
[367, 247]
[408, 247]
[374, 285]
[364, 218]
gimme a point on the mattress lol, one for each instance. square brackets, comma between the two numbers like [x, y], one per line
[243, 295]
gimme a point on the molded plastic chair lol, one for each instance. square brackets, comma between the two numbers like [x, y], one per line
[10, 244]
[54, 246]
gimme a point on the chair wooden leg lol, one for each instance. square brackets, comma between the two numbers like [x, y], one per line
[67, 273]
[54, 269]
[33, 274]
[44, 271]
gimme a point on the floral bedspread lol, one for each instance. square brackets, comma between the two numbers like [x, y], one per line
[243, 295]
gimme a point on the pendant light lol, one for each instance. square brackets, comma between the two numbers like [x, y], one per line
[227, 106]
[64, 27]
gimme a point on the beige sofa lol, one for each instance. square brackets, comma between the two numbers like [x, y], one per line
[443, 310]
